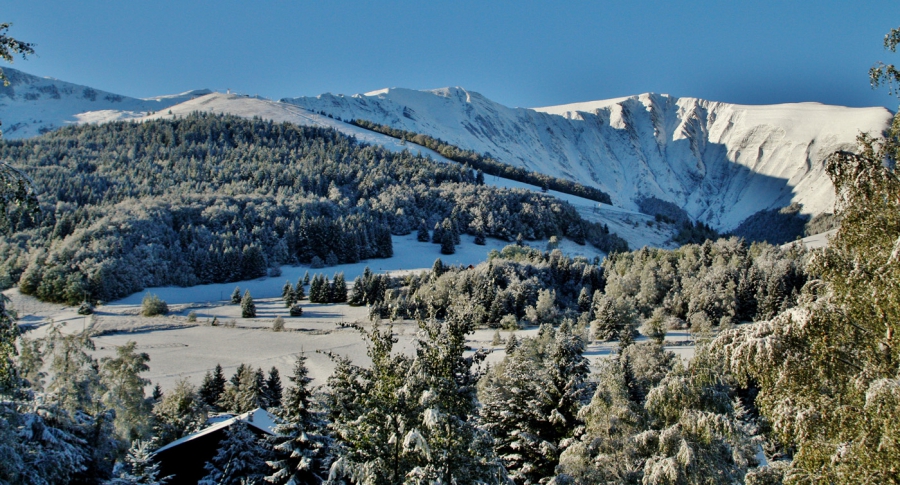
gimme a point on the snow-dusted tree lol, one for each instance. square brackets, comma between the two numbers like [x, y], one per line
[124, 391]
[300, 450]
[688, 428]
[244, 393]
[371, 412]
[827, 370]
[180, 413]
[449, 446]
[139, 467]
[530, 401]
[240, 459]
[212, 387]
[339, 289]
[248, 308]
[447, 246]
[9, 332]
[272, 389]
[287, 294]
[236, 296]
[422, 233]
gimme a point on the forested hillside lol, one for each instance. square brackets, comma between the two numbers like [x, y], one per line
[211, 198]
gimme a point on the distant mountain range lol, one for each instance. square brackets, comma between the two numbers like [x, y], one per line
[719, 162]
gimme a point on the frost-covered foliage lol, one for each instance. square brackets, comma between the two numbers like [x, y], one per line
[827, 371]
[518, 281]
[410, 420]
[720, 282]
[180, 413]
[240, 459]
[530, 401]
[653, 421]
[138, 467]
[299, 445]
[209, 198]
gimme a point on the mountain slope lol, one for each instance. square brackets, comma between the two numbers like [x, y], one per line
[32, 105]
[720, 162]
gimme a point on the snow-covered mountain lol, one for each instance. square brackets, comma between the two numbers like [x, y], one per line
[31, 105]
[720, 162]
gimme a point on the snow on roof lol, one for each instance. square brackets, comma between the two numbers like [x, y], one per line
[258, 418]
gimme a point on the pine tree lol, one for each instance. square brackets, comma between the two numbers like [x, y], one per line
[273, 388]
[300, 450]
[422, 234]
[240, 459]
[120, 375]
[447, 246]
[212, 387]
[299, 292]
[437, 269]
[438, 234]
[339, 291]
[244, 393]
[357, 295]
[179, 413]
[139, 467]
[236, 296]
[316, 290]
[287, 294]
[305, 278]
[248, 308]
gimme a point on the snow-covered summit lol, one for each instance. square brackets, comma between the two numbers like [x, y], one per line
[721, 162]
[31, 105]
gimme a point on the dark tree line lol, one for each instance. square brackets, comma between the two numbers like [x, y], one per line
[488, 165]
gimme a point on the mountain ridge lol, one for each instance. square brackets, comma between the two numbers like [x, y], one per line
[721, 162]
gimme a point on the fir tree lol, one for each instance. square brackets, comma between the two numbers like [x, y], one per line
[447, 246]
[305, 278]
[339, 291]
[139, 467]
[236, 296]
[273, 388]
[248, 308]
[422, 234]
[288, 295]
[212, 388]
[240, 459]
[300, 451]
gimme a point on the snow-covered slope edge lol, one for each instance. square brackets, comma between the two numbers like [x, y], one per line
[720, 162]
[32, 105]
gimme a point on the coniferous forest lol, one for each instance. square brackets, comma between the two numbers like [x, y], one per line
[794, 378]
[207, 199]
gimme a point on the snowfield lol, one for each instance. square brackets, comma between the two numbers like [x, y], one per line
[180, 349]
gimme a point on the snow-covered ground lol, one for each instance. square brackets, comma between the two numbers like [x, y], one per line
[721, 162]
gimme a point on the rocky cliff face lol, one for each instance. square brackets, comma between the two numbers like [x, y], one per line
[720, 162]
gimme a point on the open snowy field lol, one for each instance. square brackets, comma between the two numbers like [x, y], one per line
[181, 349]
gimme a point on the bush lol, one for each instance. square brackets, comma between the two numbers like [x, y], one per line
[296, 311]
[509, 322]
[151, 306]
[85, 309]
[192, 316]
[278, 324]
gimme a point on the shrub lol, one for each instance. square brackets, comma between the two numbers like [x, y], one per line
[86, 308]
[192, 316]
[278, 324]
[296, 311]
[151, 306]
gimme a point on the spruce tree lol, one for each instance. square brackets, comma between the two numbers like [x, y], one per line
[287, 294]
[305, 278]
[299, 292]
[212, 387]
[248, 308]
[300, 450]
[273, 388]
[447, 246]
[236, 295]
[315, 290]
[240, 459]
[422, 234]
[339, 289]
[357, 295]
[438, 234]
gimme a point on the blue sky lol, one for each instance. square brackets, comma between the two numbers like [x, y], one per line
[519, 53]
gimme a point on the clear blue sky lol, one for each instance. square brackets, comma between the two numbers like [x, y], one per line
[519, 53]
